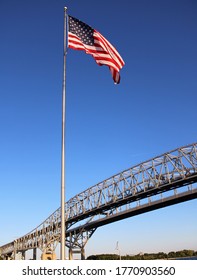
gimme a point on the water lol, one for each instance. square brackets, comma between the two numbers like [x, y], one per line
[188, 258]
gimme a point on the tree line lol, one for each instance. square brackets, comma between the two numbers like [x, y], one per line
[146, 256]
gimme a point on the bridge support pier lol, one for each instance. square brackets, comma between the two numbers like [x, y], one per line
[48, 256]
[80, 251]
[34, 253]
[23, 255]
[70, 254]
[77, 240]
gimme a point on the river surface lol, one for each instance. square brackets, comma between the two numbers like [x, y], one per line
[189, 258]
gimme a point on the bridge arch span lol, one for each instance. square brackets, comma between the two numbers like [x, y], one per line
[133, 191]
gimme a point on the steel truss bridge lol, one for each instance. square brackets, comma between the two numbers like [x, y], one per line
[159, 182]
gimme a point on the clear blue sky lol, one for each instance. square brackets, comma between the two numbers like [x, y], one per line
[109, 127]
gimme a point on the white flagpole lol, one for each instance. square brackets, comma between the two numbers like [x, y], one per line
[63, 235]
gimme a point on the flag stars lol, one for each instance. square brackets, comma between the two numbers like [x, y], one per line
[82, 30]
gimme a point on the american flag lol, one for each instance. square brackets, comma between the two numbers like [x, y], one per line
[83, 37]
